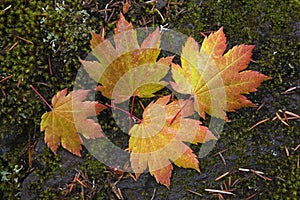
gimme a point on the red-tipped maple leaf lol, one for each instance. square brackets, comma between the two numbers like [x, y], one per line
[127, 69]
[215, 79]
[155, 142]
[68, 117]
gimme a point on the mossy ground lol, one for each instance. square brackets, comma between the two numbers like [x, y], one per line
[40, 43]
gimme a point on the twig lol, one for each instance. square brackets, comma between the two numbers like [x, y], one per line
[50, 66]
[112, 14]
[225, 186]
[235, 182]
[153, 195]
[290, 113]
[287, 151]
[278, 177]
[262, 105]
[5, 78]
[216, 154]
[292, 118]
[279, 117]
[248, 170]
[219, 191]
[104, 10]
[5, 9]
[43, 99]
[8, 7]
[286, 117]
[15, 44]
[222, 176]
[296, 148]
[161, 16]
[229, 181]
[117, 191]
[28, 41]
[251, 196]
[179, 12]
[220, 197]
[141, 104]
[19, 82]
[151, 1]
[288, 91]
[196, 193]
[41, 83]
[258, 123]
[222, 158]
[102, 31]
[30, 154]
[3, 92]
[261, 176]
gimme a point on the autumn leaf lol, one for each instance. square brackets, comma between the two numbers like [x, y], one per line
[127, 62]
[142, 81]
[216, 80]
[68, 117]
[154, 143]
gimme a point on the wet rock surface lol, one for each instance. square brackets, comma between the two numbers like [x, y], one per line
[58, 180]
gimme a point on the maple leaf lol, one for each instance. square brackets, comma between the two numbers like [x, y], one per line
[155, 142]
[215, 79]
[69, 116]
[127, 62]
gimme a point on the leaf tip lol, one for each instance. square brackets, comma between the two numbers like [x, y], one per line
[122, 25]
[95, 40]
[209, 136]
[121, 16]
[99, 107]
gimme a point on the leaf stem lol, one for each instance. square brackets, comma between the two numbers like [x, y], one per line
[131, 111]
[124, 111]
[179, 111]
[41, 97]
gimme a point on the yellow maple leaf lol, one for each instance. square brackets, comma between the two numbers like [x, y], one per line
[155, 142]
[67, 118]
[121, 68]
[214, 79]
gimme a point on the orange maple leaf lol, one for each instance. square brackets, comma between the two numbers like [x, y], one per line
[155, 142]
[67, 118]
[216, 81]
[127, 63]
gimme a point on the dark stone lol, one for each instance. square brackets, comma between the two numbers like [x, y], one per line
[60, 178]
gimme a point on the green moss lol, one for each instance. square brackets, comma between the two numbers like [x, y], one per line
[48, 194]
[12, 173]
[56, 34]
[30, 27]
